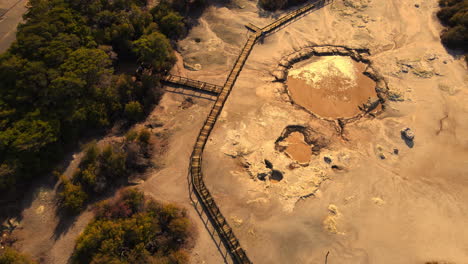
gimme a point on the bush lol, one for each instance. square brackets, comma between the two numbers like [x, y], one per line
[11, 256]
[72, 197]
[172, 25]
[144, 136]
[128, 230]
[154, 49]
[454, 14]
[134, 111]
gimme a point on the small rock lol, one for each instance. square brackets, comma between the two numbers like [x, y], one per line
[396, 151]
[294, 165]
[408, 134]
[327, 159]
[378, 201]
[431, 57]
[382, 156]
[416, 5]
[195, 67]
[337, 167]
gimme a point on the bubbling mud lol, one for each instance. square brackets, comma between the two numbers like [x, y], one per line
[331, 86]
[297, 148]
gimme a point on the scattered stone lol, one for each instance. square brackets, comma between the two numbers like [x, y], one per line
[382, 156]
[370, 105]
[395, 96]
[378, 201]
[330, 222]
[294, 165]
[408, 134]
[416, 5]
[337, 167]
[396, 151]
[187, 103]
[327, 159]
[431, 57]
[190, 67]
[237, 221]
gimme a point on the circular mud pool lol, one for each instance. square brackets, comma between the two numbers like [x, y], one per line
[331, 86]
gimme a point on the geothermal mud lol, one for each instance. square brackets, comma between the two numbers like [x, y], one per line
[331, 87]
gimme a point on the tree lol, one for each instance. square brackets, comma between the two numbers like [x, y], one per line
[172, 25]
[134, 111]
[72, 197]
[154, 49]
[127, 229]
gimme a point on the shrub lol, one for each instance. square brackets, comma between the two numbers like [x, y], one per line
[172, 25]
[154, 49]
[134, 111]
[454, 14]
[127, 231]
[144, 136]
[72, 197]
[131, 136]
[11, 256]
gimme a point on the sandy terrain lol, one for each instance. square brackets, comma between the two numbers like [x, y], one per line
[408, 207]
[11, 12]
[356, 198]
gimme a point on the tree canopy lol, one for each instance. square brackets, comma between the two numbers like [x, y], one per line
[454, 14]
[134, 229]
[58, 78]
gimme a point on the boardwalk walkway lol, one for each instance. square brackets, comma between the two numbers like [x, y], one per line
[201, 191]
[193, 84]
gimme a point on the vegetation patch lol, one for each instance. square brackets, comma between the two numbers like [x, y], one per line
[454, 15]
[134, 229]
[58, 80]
[11, 256]
[104, 168]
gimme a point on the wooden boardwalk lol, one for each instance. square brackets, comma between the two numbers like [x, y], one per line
[193, 84]
[206, 200]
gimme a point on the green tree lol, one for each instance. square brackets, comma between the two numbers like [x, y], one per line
[172, 25]
[72, 197]
[134, 111]
[154, 49]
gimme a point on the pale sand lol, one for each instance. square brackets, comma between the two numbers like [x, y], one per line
[331, 87]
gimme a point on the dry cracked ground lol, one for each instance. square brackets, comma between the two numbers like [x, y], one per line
[361, 194]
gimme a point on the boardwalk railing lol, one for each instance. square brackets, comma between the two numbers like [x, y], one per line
[207, 202]
[194, 84]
